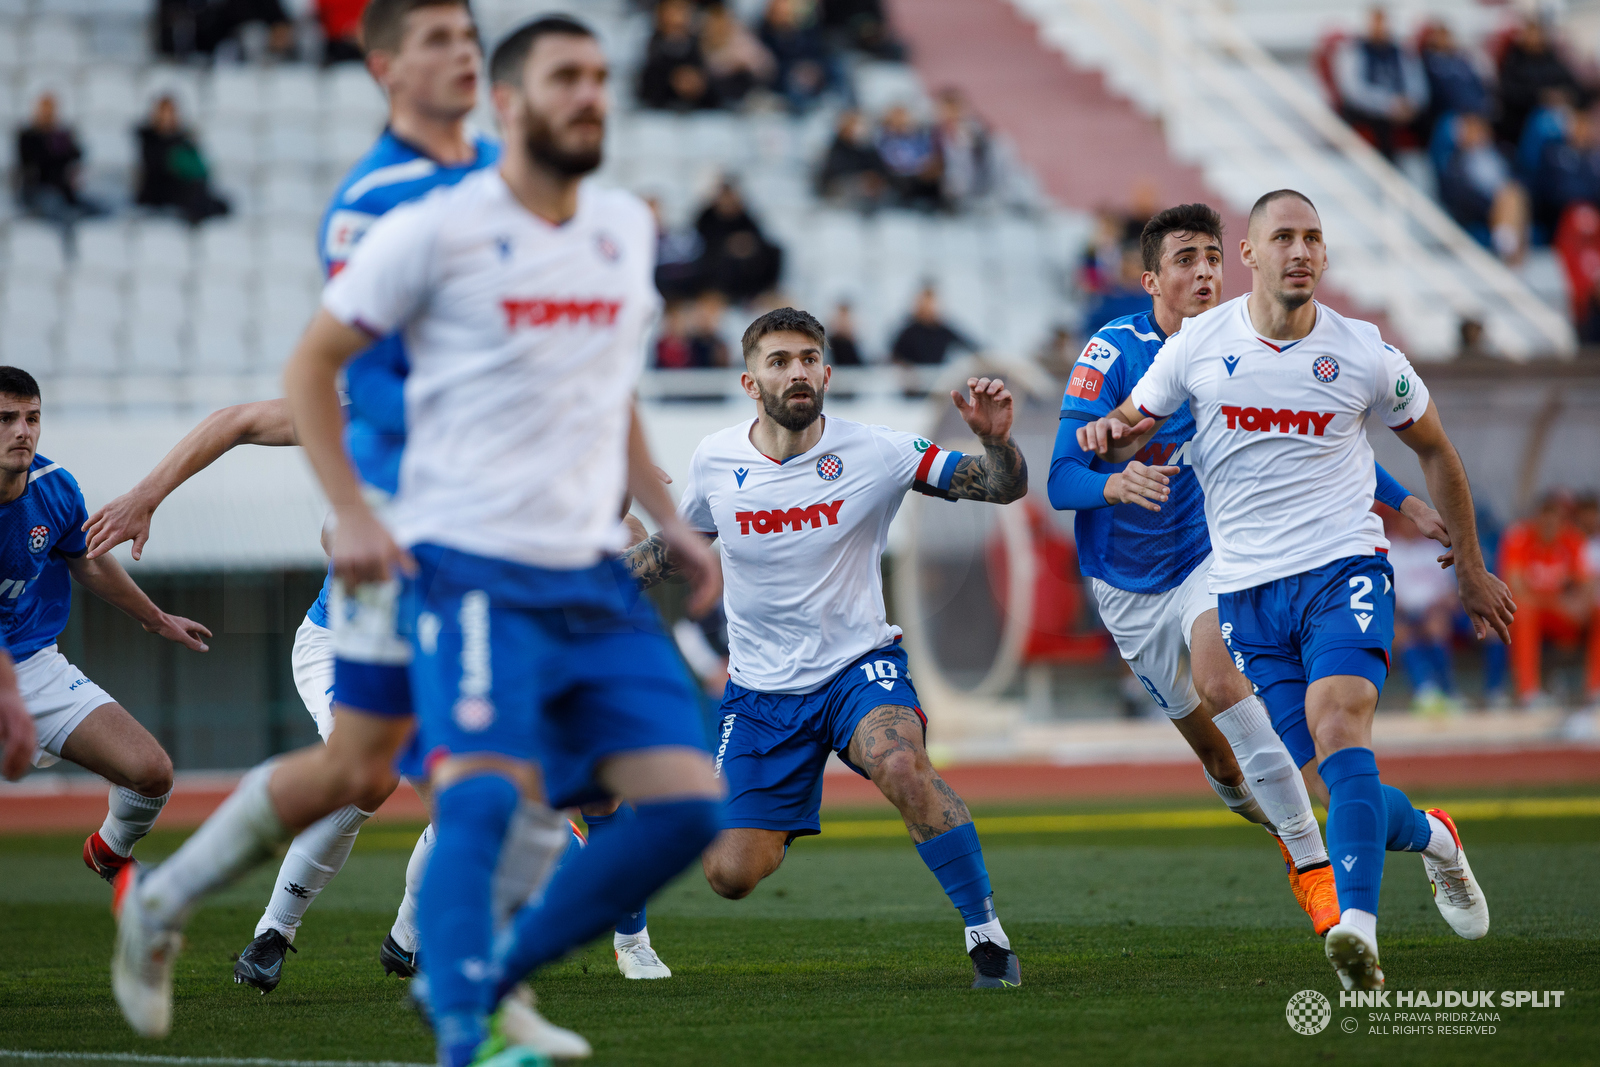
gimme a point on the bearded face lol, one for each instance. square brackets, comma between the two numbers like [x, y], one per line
[795, 409]
[574, 149]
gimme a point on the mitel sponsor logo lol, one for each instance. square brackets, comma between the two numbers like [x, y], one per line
[540, 312]
[1283, 420]
[1085, 383]
[777, 519]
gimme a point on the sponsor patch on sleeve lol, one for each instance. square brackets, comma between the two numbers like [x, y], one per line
[1100, 354]
[1085, 383]
[345, 229]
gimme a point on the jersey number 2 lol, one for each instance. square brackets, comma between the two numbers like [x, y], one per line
[1363, 589]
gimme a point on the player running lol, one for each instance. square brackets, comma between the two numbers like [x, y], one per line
[42, 550]
[803, 505]
[1143, 544]
[1280, 387]
[426, 56]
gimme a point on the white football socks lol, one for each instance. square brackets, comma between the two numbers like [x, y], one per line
[989, 931]
[404, 930]
[536, 839]
[239, 835]
[315, 856]
[1442, 845]
[129, 816]
[1239, 799]
[624, 940]
[1274, 779]
[1364, 921]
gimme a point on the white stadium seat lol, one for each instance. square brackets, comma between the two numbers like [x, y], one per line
[221, 326]
[282, 310]
[104, 245]
[235, 92]
[162, 245]
[110, 93]
[29, 319]
[92, 327]
[34, 250]
[54, 42]
[293, 91]
[157, 313]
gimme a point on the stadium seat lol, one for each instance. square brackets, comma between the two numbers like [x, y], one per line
[110, 94]
[291, 141]
[34, 250]
[221, 325]
[232, 144]
[351, 93]
[104, 245]
[92, 327]
[283, 308]
[54, 42]
[293, 92]
[163, 246]
[235, 92]
[29, 319]
[157, 314]
[10, 46]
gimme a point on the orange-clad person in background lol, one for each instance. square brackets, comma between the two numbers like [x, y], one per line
[1543, 561]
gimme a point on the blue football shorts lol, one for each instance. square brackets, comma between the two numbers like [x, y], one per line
[771, 747]
[1285, 634]
[564, 668]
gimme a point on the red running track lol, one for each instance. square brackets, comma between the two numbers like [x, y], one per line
[83, 807]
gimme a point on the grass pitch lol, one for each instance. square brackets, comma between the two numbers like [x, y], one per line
[1138, 946]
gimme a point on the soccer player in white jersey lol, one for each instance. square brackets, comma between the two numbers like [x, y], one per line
[802, 504]
[1280, 388]
[489, 308]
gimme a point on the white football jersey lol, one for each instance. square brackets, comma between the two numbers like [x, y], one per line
[801, 544]
[1280, 444]
[525, 340]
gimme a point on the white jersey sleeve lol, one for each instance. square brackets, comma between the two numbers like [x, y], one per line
[915, 462]
[694, 509]
[1402, 398]
[386, 280]
[1164, 388]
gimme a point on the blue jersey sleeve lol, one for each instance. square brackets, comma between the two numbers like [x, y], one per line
[1389, 491]
[73, 542]
[1074, 485]
[1097, 384]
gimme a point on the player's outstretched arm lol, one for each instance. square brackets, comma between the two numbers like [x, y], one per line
[105, 578]
[127, 518]
[680, 547]
[18, 736]
[1487, 600]
[1119, 436]
[363, 551]
[1000, 475]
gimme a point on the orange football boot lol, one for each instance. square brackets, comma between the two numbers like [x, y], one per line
[98, 857]
[1313, 890]
[1294, 876]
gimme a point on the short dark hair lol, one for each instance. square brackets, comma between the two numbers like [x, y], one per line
[1185, 218]
[1272, 197]
[383, 22]
[780, 320]
[14, 381]
[511, 54]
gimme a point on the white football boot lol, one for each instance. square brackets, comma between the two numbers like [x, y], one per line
[636, 959]
[1455, 891]
[1354, 956]
[520, 1023]
[141, 967]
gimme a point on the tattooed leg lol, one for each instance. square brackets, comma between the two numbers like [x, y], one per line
[888, 746]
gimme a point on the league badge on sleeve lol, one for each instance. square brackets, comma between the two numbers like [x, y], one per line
[1099, 354]
[38, 539]
[1325, 369]
[829, 467]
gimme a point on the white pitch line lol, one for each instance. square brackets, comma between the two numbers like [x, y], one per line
[198, 1061]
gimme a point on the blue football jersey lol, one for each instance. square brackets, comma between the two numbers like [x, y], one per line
[1124, 545]
[390, 174]
[39, 532]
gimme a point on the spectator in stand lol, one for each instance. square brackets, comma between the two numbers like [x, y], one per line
[926, 339]
[1477, 189]
[962, 141]
[1544, 562]
[1126, 296]
[739, 262]
[706, 345]
[674, 76]
[736, 62]
[47, 167]
[1058, 353]
[172, 172]
[1455, 84]
[1473, 340]
[804, 69]
[1568, 171]
[911, 159]
[341, 31]
[1102, 256]
[842, 338]
[1382, 87]
[191, 27]
[863, 26]
[672, 343]
[853, 173]
[1425, 604]
[680, 271]
[1530, 69]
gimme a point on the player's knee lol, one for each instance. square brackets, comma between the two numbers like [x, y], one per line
[903, 773]
[376, 791]
[730, 880]
[153, 778]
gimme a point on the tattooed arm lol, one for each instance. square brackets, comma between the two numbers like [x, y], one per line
[1000, 475]
[650, 561]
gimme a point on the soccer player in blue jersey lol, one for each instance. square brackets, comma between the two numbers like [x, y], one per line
[42, 551]
[1144, 545]
[1281, 388]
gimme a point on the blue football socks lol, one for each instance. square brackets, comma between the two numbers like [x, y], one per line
[456, 917]
[956, 859]
[599, 826]
[1408, 828]
[1358, 823]
[611, 878]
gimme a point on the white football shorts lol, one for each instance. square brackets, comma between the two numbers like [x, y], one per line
[1152, 633]
[312, 663]
[59, 696]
